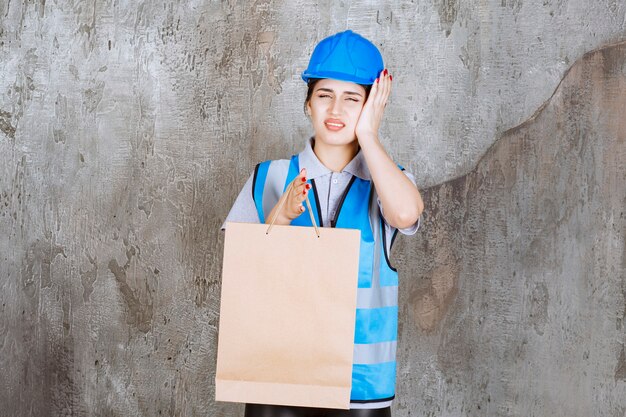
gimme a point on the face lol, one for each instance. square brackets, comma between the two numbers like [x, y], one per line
[335, 107]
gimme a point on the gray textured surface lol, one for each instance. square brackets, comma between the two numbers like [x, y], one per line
[518, 304]
[127, 129]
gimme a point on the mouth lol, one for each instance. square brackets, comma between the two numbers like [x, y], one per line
[334, 124]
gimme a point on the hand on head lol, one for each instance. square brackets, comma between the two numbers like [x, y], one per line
[373, 109]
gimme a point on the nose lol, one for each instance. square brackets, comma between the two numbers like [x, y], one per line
[335, 106]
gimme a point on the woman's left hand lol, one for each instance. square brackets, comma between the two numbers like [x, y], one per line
[373, 109]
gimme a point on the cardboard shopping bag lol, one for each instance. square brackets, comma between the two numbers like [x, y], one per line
[287, 315]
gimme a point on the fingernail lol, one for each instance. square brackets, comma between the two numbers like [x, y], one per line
[303, 179]
[390, 78]
[304, 192]
[385, 73]
[376, 80]
[301, 208]
[308, 186]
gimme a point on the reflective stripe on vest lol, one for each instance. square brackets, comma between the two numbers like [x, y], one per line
[374, 367]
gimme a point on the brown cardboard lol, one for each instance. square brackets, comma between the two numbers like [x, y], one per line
[287, 315]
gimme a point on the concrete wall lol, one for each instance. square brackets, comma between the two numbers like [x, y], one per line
[127, 129]
[517, 305]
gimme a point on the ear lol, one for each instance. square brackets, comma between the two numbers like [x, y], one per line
[308, 108]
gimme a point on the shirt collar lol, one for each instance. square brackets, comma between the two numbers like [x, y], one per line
[315, 168]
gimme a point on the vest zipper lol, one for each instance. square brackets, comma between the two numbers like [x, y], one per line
[333, 221]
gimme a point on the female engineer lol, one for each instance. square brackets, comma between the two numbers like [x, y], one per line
[354, 184]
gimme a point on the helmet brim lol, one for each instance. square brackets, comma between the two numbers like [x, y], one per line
[306, 76]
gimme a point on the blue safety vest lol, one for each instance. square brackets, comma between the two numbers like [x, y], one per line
[374, 367]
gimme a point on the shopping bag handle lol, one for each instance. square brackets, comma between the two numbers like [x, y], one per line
[281, 202]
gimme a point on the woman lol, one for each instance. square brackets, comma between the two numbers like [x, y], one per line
[355, 184]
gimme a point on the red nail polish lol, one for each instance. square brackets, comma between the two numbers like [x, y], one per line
[385, 72]
[390, 78]
[308, 186]
[303, 179]
[376, 80]
[304, 192]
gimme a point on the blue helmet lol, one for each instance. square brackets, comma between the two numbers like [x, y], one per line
[345, 56]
